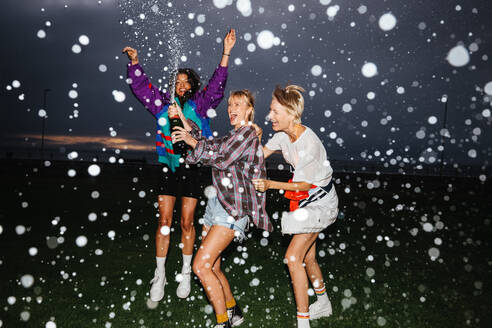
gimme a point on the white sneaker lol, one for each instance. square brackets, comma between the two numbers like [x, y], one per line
[318, 310]
[158, 283]
[184, 287]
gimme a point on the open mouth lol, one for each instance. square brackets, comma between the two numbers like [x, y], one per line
[232, 117]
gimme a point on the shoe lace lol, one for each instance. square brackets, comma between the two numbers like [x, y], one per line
[156, 276]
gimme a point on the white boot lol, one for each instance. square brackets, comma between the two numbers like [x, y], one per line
[320, 309]
[184, 287]
[158, 283]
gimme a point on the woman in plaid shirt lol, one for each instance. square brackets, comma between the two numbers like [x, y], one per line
[236, 159]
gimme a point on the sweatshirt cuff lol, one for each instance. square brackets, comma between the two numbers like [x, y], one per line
[134, 70]
[195, 155]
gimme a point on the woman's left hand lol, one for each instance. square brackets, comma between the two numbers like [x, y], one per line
[180, 134]
[229, 41]
[261, 184]
[174, 110]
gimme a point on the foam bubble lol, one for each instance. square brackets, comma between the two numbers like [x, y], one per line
[210, 192]
[73, 94]
[458, 56]
[226, 182]
[433, 253]
[33, 251]
[332, 11]
[369, 70]
[244, 7]
[50, 324]
[119, 96]
[387, 22]
[199, 30]
[165, 230]
[84, 40]
[211, 113]
[488, 88]
[20, 230]
[316, 70]
[81, 241]
[265, 39]
[220, 3]
[300, 214]
[27, 280]
[432, 120]
[41, 34]
[76, 49]
[94, 170]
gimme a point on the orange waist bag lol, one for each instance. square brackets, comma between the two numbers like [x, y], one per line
[296, 196]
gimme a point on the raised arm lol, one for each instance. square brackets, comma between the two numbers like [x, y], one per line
[213, 93]
[149, 95]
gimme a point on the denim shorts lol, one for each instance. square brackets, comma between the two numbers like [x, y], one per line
[215, 214]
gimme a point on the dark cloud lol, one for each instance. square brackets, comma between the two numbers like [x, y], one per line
[411, 56]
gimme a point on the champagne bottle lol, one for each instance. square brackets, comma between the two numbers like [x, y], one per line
[180, 147]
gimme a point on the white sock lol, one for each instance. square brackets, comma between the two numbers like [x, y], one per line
[303, 320]
[187, 261]
[161, 263]
[321, 295]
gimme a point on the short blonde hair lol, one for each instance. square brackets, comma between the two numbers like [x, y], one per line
[291, 98]
[250, 100]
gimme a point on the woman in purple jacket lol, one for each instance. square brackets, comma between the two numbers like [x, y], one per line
[180, 179]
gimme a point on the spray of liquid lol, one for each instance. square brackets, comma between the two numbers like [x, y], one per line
[154, 26]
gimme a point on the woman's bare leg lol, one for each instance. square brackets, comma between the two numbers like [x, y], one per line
[213, 244]
[296, 252]
[312, 268]
[166, 207]
[188, 206]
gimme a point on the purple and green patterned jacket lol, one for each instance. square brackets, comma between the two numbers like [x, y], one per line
[157, 102]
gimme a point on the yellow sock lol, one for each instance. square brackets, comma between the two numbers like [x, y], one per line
[222, 317]
[231, 303]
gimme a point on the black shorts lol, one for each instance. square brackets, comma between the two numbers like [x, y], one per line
[186, 181]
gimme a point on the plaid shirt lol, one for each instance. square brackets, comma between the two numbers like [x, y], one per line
[236, 159]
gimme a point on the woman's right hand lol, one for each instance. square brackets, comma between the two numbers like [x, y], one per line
[258, 130]
[132, 54]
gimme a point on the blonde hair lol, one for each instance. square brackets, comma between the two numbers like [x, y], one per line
[250, 100]
[291, 98]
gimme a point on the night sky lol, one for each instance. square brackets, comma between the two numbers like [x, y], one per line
[435, 50]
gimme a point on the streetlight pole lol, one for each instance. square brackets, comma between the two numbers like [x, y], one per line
[45, 92]
[443, 134]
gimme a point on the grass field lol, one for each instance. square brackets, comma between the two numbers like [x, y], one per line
[405, 252]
